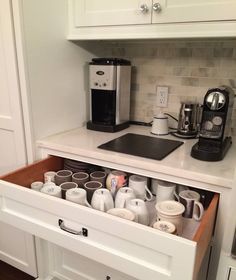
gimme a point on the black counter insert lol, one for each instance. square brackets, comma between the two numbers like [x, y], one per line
[142, 146]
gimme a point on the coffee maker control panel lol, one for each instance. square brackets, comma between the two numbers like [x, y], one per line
[102, 77]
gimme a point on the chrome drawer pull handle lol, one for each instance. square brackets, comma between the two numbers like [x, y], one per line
[157, 7]
[144, 8]
[62, 226]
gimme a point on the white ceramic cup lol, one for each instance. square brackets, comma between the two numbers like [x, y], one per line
[165, 226]
[139, 186]
[171, 211]
[77, 195]
[36, 186]
[193, 208]
[122, 213]
[139, 208]
[122, 196]
[165, 191]
[160, 125]
[102, 200]
[51, 189]
[49, 176]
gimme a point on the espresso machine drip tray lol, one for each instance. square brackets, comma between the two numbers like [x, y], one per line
[142, 146]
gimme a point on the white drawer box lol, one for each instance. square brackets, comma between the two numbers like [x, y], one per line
[133, 249]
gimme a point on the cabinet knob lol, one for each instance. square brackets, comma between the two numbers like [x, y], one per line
[144, 8]
[157, 7]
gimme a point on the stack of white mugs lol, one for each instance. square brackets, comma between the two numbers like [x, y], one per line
[126, 196]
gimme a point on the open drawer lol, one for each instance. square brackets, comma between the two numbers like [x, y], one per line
[134, 249]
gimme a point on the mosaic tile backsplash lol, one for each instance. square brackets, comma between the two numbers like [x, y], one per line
[188, 67]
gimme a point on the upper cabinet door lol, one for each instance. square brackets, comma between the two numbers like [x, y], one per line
[107, 12]
[12, 141]
[167, 11]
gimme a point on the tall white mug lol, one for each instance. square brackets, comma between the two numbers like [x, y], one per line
[139, 186]
[165, 191]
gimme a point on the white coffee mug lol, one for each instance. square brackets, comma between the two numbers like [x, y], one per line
[51, 189]
[123, 195]
[122, 213]
[102, 200]
[49, 176]
[77, 195]
[139, 186]
[36, 186]
[165, 191]
[139, 208]
[193, 208]
[160, 125]
[171, 211]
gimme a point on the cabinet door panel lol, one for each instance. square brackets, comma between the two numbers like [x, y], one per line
[12, 145]
[194, 11]
[105, 12]
[17, 249]
[232, 275]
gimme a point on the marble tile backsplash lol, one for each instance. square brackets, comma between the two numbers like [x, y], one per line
[188, 67]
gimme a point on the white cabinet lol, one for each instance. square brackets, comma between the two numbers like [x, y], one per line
[132, 249]
[17, 248]
[173, 11]
[104, 12]
[232, 274]
[12, 142]
[90, 19]
[32, 80]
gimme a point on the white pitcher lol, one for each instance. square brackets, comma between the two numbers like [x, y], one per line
[102, 200]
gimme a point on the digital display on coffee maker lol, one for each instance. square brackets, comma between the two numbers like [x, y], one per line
[100, 73]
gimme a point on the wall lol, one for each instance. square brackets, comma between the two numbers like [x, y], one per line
[56, 69]
[187, 67]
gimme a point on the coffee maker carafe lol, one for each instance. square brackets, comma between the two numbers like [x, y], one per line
[214, 137]
[109, 94]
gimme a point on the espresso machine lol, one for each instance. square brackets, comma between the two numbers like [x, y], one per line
[109, 94]
[215, 128]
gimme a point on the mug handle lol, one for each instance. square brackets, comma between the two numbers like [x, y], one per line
[87, 204]
[176, 196]
[149, 194]
[102, 205]
[201, 211]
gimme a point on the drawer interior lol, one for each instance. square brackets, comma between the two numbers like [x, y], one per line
[202, 236]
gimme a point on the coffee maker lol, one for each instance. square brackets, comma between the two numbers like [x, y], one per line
[109, 94]
[214, 137]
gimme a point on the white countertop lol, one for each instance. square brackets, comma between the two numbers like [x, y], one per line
[82, 144]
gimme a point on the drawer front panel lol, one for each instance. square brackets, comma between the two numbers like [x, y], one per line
[131, 248]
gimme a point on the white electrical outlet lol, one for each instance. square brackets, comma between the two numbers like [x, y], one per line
[162, 96]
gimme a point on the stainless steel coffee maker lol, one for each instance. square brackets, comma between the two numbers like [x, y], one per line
[188, 122]
[109, 94]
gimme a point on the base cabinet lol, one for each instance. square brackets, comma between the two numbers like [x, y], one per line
[232, 273]
[17, 249]
[125, 249]
[68, 265]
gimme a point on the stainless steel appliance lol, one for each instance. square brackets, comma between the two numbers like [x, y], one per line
[188, 120]
[109, 94]
[214, 137]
